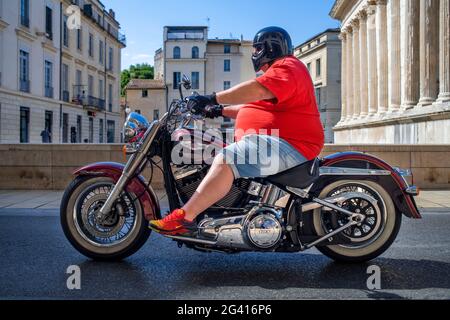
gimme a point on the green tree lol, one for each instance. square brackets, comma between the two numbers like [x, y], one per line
[138, 71]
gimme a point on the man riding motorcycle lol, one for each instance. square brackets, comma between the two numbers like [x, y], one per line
[281, 101]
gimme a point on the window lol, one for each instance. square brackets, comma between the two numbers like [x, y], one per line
[227, 48]
[176, 53]
[91, 45]
[48, 79]
[144, 93]
[226, 85]
[65, 82]
[100, 131]
[24, 125]
[195, 53]
[110, 97]
[318, 67]
[110, 131]
[318, 96]
[78, 80]
[90, 86]
[100, 89]
[79, 38]
[49, 23]
[309, 67]
[176, 80]
[48, 126]
[25, 13]
[156, 114]
[65, 32]
[65, 125]
[111, 59]
[79, 128]
[100, 50]
[91, 130]
[24, 71]
[195, 79]
[227, 66]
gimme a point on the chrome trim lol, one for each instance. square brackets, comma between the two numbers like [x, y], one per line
[336, 171]
[339, 199]
[403, 172]
[194, 240]
[132, 165]
[412, 190]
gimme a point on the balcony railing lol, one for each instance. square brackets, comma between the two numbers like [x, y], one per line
[122, 39]
[24, 85]
[65, 95]
[49, 92]
[90, 102]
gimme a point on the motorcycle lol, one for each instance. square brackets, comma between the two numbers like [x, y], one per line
[348, 205]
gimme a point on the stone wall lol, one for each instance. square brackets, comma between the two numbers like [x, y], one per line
[50, 166]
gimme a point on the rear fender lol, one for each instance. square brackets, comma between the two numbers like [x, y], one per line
[394, 183]
[137, 185]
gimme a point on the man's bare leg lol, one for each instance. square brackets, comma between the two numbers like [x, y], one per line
[215, 186]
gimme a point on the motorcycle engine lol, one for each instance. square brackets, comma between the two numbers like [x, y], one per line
[189, 177]
[260, 229]
[264, 230]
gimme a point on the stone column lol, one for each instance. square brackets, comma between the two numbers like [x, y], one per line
[382, 52]
[372, 59]
[364, 109]
[356, 70]
[394, 71]
[343, 37]
[429, 51]
[444, 52]
[410, 59]
[349, 86]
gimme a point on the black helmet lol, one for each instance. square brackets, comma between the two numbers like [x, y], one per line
[270, 44]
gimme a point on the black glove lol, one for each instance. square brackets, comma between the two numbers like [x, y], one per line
[213, 112]
[198, 103]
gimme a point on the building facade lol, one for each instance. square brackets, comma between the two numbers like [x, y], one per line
[59, 83]
[212, 64]
[322, 56]
[147, 97]
[396, 71]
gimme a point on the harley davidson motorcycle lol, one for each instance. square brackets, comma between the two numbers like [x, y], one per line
[348, 205]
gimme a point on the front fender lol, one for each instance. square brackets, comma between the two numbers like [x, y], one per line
[394, 183]
[137, 185]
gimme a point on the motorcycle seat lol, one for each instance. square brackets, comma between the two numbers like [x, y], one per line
[301, 176]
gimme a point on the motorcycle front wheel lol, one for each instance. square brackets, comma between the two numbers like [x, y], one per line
[122, 233]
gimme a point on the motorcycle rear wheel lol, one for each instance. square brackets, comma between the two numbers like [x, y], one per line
[371, 248]
[84, 233]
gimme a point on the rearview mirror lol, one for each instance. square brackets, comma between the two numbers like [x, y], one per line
[186, 82]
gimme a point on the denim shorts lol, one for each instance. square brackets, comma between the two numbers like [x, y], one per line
[259, 156]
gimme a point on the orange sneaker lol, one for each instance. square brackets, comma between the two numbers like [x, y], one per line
[174, 224]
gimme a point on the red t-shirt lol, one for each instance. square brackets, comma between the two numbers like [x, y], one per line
[294, 112]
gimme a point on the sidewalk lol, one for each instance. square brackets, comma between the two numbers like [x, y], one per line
[34, 199]
[44, 200]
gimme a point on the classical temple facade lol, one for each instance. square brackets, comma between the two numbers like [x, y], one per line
[395, 71]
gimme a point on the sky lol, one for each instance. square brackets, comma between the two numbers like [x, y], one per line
[142, 21]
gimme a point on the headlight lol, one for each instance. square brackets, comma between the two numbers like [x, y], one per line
[135, 124]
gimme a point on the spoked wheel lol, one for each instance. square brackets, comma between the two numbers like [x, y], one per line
[114, 237]
[368, 239]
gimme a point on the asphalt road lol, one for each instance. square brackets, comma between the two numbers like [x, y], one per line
[34, 256]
